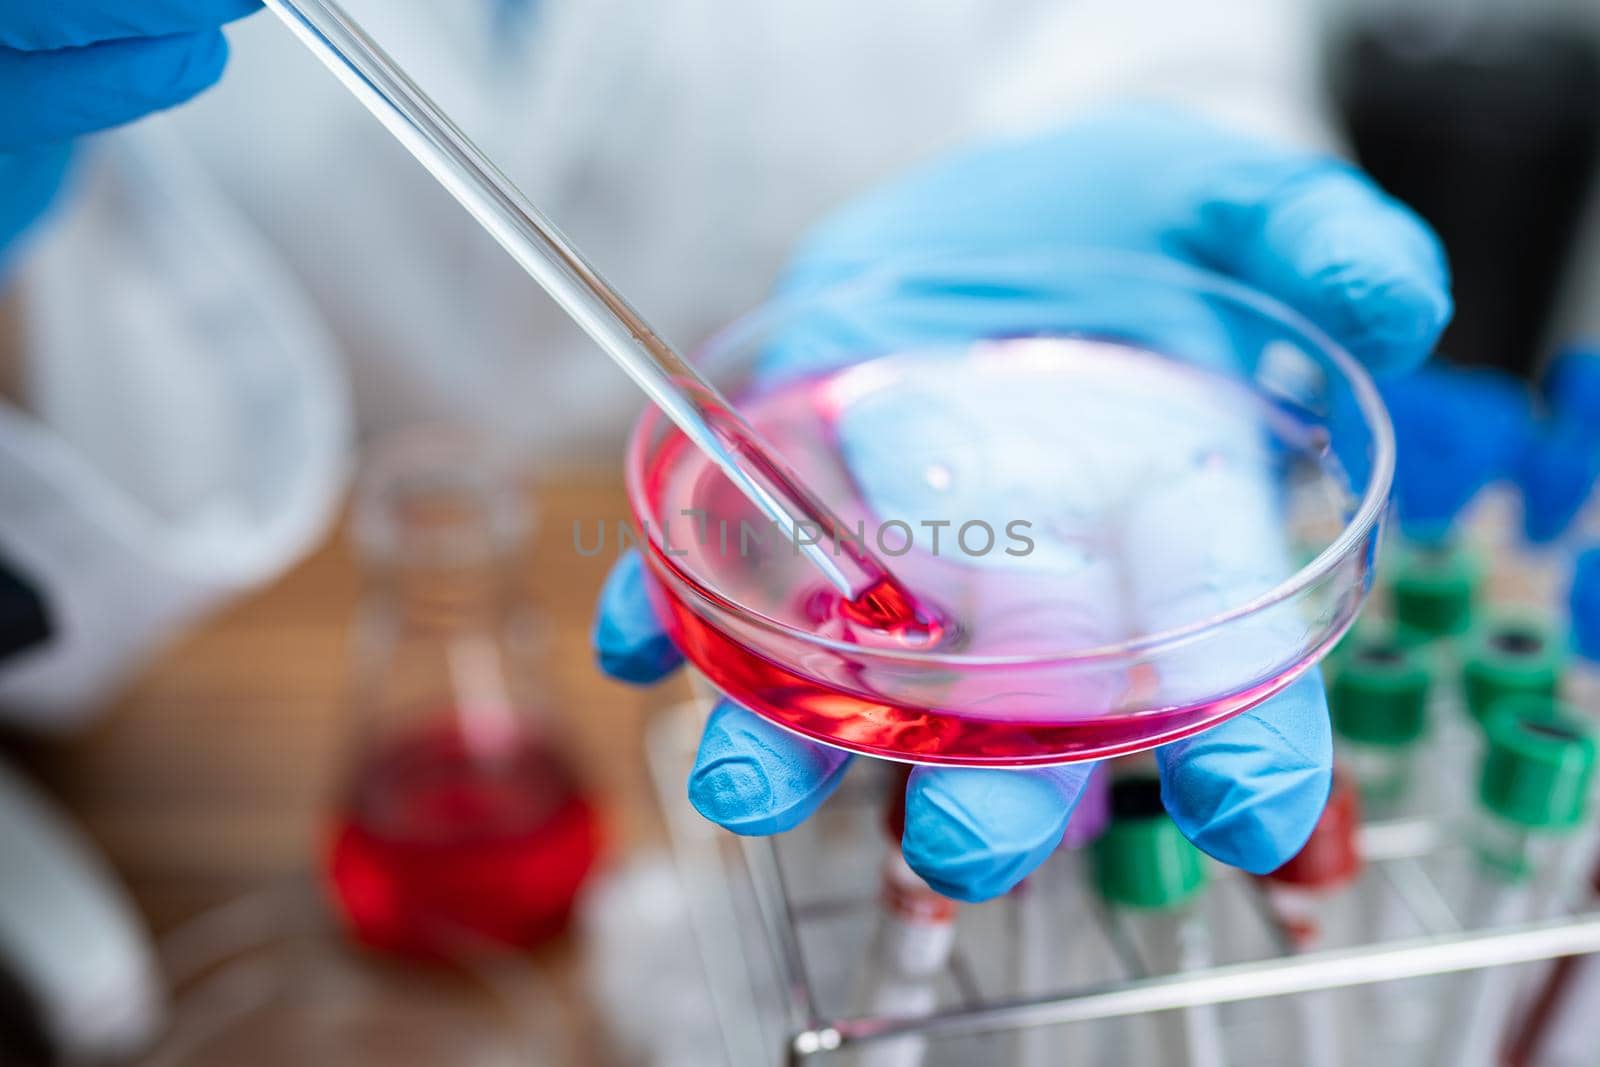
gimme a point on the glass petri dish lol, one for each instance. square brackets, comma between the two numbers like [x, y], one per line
[1135, 498]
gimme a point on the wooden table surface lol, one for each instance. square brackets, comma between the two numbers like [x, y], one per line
[211, 773]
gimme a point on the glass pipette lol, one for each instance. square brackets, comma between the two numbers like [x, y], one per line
[682, 393]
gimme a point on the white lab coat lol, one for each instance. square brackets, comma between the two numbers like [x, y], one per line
[683, 144]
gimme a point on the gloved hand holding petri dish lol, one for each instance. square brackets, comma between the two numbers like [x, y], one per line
[1136, 494]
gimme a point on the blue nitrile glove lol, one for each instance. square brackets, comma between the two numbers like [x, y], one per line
[1561, 462]
[1583, 601]
[1556, 475]
[1456, 430]
[1311, 231]
[70, 67]
[1571, 387]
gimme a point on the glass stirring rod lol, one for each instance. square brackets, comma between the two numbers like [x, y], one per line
[690, 401]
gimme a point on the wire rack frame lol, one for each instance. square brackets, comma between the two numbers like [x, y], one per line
[803, 1031]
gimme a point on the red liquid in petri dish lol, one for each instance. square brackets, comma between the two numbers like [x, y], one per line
[442, 851]
[923, 734]
[738, 603]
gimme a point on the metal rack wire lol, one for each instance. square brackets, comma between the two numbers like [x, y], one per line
[751, 923]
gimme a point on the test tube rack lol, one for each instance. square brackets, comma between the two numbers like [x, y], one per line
[751, 924]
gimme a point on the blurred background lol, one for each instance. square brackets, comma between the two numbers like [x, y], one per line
[262, 381]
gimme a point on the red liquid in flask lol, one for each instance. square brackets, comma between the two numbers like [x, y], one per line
[444, 850]
[1018, 696]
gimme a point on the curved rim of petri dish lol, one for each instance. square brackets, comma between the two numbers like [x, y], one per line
[1375, 416]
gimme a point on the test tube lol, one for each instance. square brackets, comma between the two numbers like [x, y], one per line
[1310, 901]
[1436, 588]
[1556, 1027]
[1379, 702]
[1379, 698]
[910, 948]
[1436, 591]
[1533, 790]
[1506, 654]
[1151, 879]
[1555, 1020]
[1050, 952]
[1510, 656]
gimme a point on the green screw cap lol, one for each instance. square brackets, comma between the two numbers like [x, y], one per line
[1434, 589]
[1143, 860]
[1538, 765]
[1511, 656]
[1380, 695]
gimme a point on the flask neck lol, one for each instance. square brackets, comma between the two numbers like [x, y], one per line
[444, 630]
[448, 600]
[441, 528]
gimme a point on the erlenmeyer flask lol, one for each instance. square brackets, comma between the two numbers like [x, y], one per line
[460, 828]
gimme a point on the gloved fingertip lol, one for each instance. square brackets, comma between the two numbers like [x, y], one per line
[99, 86]
[202, 60]
[49, 27]
[1395, 322]
[132, 78]
[1320, 236]
[230, 10]
[1270, 833]
[973, 834]
[1250, 791]
[1377, 283]
[629, 641]
[754, 778]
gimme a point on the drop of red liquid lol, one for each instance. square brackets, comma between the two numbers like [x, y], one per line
[887, 608]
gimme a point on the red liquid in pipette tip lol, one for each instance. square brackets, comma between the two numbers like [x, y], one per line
[442, 851]
[888, 607]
